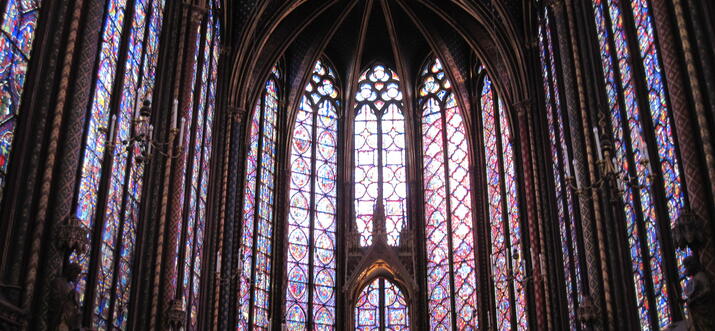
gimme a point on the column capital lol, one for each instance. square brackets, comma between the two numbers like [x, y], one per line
[556, 5]
[522, 106]
[237, 114]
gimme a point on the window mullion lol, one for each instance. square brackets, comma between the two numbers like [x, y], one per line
[657, 184]
[505, 211]
[632, 170]
[313, 211]
[447, 195]
[106, 175]
[257, 206]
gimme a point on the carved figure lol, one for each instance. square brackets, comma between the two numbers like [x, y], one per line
[65, 313]
[699, 296]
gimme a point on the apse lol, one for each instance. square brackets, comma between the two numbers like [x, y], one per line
[365, 165]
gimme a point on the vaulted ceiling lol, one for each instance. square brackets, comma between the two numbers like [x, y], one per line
[354, 33]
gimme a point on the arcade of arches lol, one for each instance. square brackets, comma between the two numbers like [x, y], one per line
[357, 165]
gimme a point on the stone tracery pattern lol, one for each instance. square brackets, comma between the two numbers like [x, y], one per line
[119, 222]
[450, 247]
[506, 257]
[311, 260]
[631, 149]
[379, 140]
[559, 148]
[381, 305]
[256, 249]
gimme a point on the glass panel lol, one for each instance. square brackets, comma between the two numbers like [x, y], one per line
[19, 20]
[312, 221]
[381, 305]
[448, 203]
[379, 153]
[257, 229]
[567, 225]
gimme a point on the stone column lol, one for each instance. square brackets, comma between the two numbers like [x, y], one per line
[580, 158]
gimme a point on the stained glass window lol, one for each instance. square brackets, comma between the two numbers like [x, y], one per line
[628, 116]
[19, 19]
[198, 175]
[558, 150]
[379, 138]
[311, 261]
[257, 228]
[118, 218]
[381, 306]
[448, 203]
[507, 264]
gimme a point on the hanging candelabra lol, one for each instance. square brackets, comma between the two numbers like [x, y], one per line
[141, 134]
[608, 176]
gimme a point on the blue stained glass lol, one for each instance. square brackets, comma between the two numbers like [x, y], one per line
[201, 148]
[258, 209]
[96, 138]
[19, 19]
[381, 305]
[313, 193]
[126, 171]
[647, 256]
[661, 122]
[111, 233]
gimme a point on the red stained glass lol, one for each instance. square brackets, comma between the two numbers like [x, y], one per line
[381, 305]
[311, 261]
[448, 217]
[507, 265]
[258, 212]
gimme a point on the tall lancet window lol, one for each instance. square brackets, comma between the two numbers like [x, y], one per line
[199, 152]
[258, 210]
[111, 174]
[381, 306]
[643, 138]
[19, 19]
[451, 275]
[558, 136]
[379, 138]
[310, 298]
[508, 272]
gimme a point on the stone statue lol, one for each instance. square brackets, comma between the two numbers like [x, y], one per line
[699, 296]
[65, 313]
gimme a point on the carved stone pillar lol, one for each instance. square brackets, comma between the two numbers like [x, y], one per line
[531, 218]
[187, 67]
[48, 108]
[580, 159]
[687, 142]
[230, 216]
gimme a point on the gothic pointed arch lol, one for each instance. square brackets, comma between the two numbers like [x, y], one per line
[447, 188]
[257, 222]
[380, 190]
[311, 259]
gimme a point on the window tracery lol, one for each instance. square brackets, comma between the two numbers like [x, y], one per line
[381, 306]
[641, 124]
[258, 210]
[507, 262]
[109, 123]
[451, 262]
[311, 259]
[198, 177]
[568, 228]
[379, 142]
